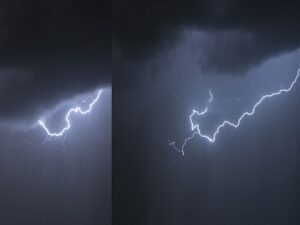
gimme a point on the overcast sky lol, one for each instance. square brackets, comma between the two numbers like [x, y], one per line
[53, 55]
[157, 60]
[168, 56]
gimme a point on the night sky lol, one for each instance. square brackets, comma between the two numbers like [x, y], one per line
[168, 55]
[156, 61]
[54, 54]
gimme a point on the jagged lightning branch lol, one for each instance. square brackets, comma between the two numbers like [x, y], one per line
[71, 111]
[196, 127]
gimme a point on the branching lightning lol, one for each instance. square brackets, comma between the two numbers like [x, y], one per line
[196, 127]
[71, 111]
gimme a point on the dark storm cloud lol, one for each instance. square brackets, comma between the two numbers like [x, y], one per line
[36, 27]
[212, 182]
[266, 28]
[51, 50]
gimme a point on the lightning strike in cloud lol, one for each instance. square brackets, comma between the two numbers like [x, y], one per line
[211, 96]
[71, 111]
[196, 127]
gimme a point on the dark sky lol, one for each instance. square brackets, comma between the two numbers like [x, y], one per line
[167, 56]
[51, 52]
[161, 58]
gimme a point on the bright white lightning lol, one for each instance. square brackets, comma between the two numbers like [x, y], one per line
[71, 111]
[196, 127]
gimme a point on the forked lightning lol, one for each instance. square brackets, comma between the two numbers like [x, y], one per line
[196, 127]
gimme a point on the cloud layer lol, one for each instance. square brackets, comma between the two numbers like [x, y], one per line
[50, 51]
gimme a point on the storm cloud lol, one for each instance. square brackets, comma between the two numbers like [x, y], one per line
[168, 55]
[253, 31]
[50, 51]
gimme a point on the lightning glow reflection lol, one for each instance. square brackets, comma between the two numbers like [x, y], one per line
[71, 111]
[196, 127]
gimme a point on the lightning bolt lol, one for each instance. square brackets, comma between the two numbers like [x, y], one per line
[71, 111]
[196, 127]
